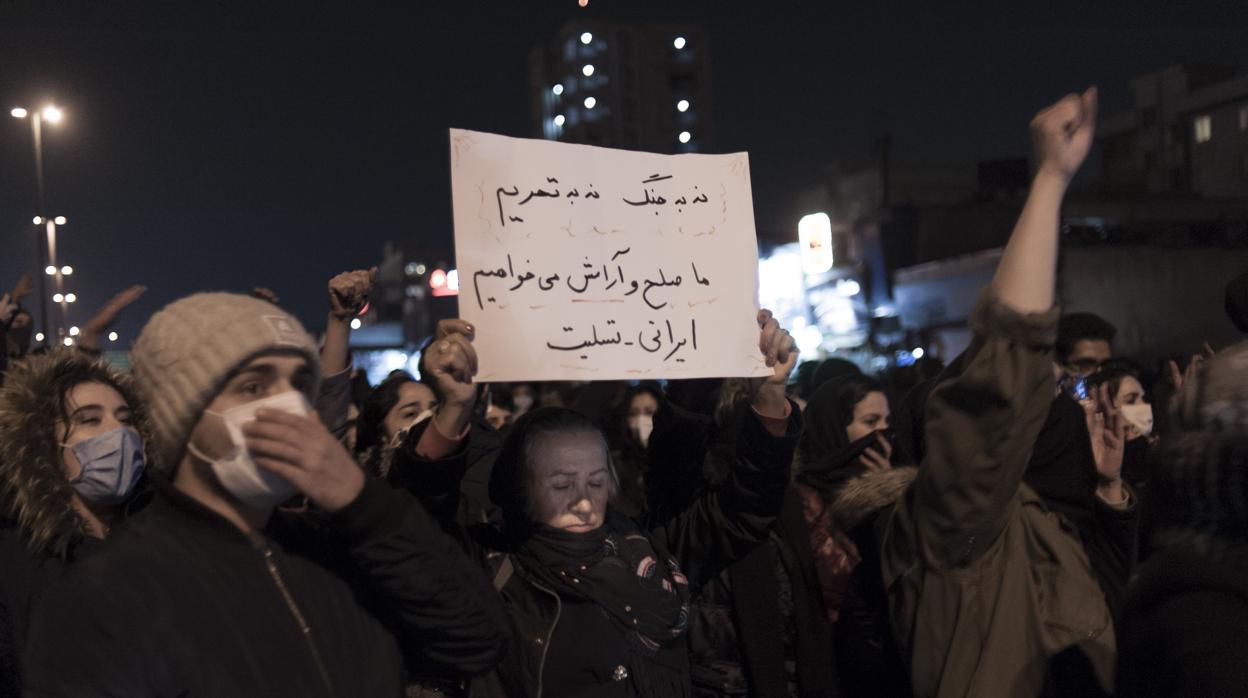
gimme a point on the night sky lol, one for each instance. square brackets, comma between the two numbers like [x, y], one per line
[221, 145]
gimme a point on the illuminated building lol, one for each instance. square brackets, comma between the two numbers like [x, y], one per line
[638, 86]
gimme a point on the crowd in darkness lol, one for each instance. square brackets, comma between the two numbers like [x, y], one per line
[239, 513]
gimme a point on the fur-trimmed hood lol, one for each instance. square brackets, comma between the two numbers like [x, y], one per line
[34, 492]
[862, 496]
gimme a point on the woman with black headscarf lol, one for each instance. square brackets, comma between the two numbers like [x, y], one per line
[599, 605]
[846, 477]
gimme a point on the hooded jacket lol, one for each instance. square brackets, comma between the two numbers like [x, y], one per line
[992, 594]
[42, 532]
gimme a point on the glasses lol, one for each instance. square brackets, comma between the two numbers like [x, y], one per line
[1084, 366]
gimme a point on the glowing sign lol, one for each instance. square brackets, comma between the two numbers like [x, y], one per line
[814, 234]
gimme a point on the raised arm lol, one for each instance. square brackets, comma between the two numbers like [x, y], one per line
[348, 294]
[983, 420]
[89, 338]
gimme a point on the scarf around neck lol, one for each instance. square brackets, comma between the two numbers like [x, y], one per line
[616, 568]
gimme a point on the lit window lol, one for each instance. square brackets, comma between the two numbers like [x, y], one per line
[588, 70]
[1204, 128]
[685, 136]
[587, 38]
[679, 43]
[590, 102]
[682, 105]
[557, 89]
[559, 119]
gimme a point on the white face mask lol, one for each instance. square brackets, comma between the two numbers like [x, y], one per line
[641, 426]
[238, 472]
[1140, 416]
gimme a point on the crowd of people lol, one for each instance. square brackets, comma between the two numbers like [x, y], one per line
[240, 514]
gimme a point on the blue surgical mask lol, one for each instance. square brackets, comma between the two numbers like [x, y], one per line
[112, 463]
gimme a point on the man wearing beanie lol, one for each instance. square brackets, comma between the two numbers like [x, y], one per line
[1183, 626]
[209, 592]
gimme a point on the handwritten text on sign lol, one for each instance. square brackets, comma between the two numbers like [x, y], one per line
[585, 263]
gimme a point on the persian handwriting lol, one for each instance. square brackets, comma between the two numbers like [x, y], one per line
[650, 196]
[606, 277]
[655, 338]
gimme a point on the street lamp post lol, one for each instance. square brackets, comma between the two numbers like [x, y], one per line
[57, 272]
[52, 115]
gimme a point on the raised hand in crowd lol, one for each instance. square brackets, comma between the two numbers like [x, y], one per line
[780, 354]
[23, 288]
[1180, 378]
[450, 362]
[348, 294]
[1107, 430]
[8, 308]
[1061, 136]
[89, 338]
[266, 294]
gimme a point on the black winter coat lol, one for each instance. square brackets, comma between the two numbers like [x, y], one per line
[181, 603]
[1182, 630]
[714, 531]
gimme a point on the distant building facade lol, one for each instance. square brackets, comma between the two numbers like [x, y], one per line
[637, 86]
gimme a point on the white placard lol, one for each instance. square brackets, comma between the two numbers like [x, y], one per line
[585, 263]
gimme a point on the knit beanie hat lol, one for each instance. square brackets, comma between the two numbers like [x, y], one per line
[187, 351]
[1201, 472]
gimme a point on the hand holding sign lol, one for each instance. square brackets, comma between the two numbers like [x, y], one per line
[450, 362]
[780, 354]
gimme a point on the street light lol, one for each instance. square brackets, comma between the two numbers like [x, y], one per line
[52, 115]
[66, 270]
[70, 298]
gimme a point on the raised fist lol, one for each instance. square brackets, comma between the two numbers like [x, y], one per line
[349, 291]
[1062, 134]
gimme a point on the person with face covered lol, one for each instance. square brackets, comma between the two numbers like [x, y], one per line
[1126, 392]
[628, 431]
[846, 478]
[72, 435]
[389, 409]
[599, 604]
[209, 590]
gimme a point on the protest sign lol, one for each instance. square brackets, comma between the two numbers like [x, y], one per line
[584, 263]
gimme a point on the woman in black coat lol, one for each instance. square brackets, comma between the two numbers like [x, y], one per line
[599, 604]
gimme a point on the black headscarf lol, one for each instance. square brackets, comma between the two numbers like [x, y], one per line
[615, 566]
[828, 458]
